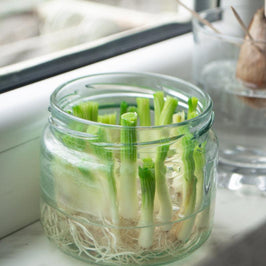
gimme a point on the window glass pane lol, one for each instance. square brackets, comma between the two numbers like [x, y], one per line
[42, 27]
[35, 32]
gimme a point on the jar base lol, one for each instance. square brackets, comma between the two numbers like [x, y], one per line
[61, 230]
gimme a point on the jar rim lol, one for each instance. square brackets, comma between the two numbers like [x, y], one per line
[222, 36]
[206, 112]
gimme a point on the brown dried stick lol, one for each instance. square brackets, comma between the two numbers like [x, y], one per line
[196, 15]
[243, 26]
[245, 29]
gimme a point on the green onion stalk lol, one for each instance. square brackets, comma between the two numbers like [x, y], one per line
[123, 109]
[163, 116]
[189, 188]
[128, 168]
[179, 117]
[68, 174]
[107, 179]
[107, 119]
[147, 179]
[147, 182]
[89, 111]
[198, 155]
[193, 163]
[112, 135]
[143, 111]
[85, 110]
[132, 109]
[200, 161]
[106, 156]
[192, 107]
[158, 99]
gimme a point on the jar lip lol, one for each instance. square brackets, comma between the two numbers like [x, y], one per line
[222, 36]
[205, 113]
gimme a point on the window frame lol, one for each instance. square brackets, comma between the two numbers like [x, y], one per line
[70, 61]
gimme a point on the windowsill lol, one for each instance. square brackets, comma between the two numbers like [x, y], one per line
[235, 216]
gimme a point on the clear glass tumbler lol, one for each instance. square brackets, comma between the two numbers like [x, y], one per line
[239, 104]
[116, 194]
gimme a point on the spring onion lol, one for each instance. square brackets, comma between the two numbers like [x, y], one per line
[147, 182]
[200, 161]
[163, 116]
[128, 168]
[106, 156]
[132, 109]
[191, 163]
[123, 109]
[86, 110]
[107, 119]
[89, 111]
[189, 188]
[158, 99]
[143, 110]
[198, 154]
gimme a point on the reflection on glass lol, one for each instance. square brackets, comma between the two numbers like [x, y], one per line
[41, 27]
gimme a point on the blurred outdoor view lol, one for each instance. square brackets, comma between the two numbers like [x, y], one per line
[33, 28]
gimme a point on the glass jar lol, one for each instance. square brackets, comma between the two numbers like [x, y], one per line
[94, 205]
[232, 78]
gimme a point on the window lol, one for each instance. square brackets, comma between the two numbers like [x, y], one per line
[55, 36]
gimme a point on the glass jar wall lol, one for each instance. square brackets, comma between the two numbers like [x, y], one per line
[116, 193]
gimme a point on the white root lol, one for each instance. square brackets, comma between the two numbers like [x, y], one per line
[99, 243]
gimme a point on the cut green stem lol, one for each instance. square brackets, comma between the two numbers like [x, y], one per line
[200, 161]
[163, 116]
[147, 182]
[123, 109]
[128, 168]
[168, 111]
[158, 99]
[132, 109]
[189, 188]
[192, 107]
[165, 211]
[143, 110]
[179, 117]
[107, 119]
[105, 155]
[89, 110]
[86, 110]
[193, 164]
